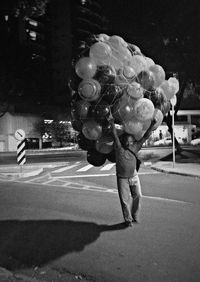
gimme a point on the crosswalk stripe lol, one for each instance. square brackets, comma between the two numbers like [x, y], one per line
[85, 168]
[107, 167]
[64, 168]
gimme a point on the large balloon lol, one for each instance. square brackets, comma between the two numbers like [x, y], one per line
[125, 76]
[92, 130]
[111, 93]
[158, 98]
[89, 89]
[86, 67]
[158, 116]
[138, 63]
[95, 158]
[174, 83]
[111, 156]
[76, 124]
[117, 42]
[133, 127]
[105, 75]
[122, 110]
[135, 50]
[103, 37]
[158, 73]
[105, 144]
[146, 79]
[101, 110]
[84, 143]
[101, 53]
[80, 109]
[149, 62]
[134, 90]
[143, 109]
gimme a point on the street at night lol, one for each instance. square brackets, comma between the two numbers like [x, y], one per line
[99, 141]
[66, 223]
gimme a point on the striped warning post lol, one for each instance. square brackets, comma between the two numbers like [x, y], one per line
[21, 156]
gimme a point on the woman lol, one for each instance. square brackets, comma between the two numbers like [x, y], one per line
[128, 182]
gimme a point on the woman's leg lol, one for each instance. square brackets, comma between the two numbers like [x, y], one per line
[125, 198]
[136, 194]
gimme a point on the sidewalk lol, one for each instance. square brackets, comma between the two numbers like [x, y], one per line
[186, 169]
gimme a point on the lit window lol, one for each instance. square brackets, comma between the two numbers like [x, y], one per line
[32, 22]
[33, 34]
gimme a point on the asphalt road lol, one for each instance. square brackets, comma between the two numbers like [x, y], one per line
[60, 225]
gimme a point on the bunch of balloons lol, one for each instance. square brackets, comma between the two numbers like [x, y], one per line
[113, 75]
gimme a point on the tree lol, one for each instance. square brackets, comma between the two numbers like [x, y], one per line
[58, 131]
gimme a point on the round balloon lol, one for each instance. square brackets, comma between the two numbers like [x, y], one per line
[89, 89]
[111, 156]
[146, 79]
[96, 158]
[105, 75]
[149, 62]
[80, 109]
[85, 67]
[133, 127]
[77, 125]
[174, 83]
[158, 73]
[105, 144]
[100, 52]
[103, 37]
[143, 109]
[101, 110]
[117, 41]
[122, 110]
[111, 93]
[134, 90]
[135, 50]
[92, 130]
[158, 116]
[138, 63]
[84, 143]
[158, 98]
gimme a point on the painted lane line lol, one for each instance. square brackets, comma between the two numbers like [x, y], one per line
[64, 168]
[107, 167]
[85, 168]
[166, 199]
[103, 174]
[85, 175]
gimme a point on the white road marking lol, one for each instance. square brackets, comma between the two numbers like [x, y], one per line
[85, 168]
[85, 175]
[107, 167]
[65, 168]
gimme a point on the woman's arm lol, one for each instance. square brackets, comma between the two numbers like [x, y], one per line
[114, 131]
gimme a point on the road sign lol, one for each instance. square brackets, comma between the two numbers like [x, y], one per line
[20, 134]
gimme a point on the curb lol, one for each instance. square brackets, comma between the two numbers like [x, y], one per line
[175, 172]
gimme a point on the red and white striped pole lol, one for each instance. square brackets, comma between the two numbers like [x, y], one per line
[21, 153]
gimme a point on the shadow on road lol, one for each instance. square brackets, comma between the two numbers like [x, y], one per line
[34, 243]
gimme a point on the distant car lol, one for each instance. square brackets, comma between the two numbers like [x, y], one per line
[195, 141]
[164, 141]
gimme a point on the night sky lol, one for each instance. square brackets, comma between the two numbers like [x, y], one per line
[133, 19]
